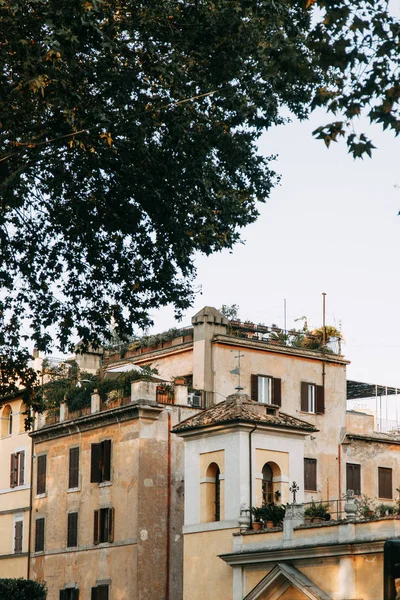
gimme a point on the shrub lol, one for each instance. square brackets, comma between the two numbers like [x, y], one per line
[22, 589]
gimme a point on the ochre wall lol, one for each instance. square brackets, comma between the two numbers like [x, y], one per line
[206, 575]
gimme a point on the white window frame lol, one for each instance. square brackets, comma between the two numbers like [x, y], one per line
[264, 383]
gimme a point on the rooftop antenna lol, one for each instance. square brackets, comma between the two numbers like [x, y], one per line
[236, 371]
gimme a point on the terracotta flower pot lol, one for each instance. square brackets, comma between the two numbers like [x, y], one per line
[257, 525]
[318, 520]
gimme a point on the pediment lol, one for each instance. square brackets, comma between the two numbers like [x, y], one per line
[283, 577]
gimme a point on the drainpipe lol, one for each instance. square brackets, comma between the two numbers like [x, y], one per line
[30, 512]
[251, 477]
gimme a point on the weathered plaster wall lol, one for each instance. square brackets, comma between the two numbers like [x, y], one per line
[170, 365]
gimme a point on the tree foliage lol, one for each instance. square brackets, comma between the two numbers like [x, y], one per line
[22, 589]
[128, 143]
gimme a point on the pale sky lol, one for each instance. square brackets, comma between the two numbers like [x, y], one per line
[331, 226]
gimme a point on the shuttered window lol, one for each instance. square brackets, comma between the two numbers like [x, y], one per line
[41, 474]
[17, 469]
[73, 477]
[72, 530]
[266, 389]
[100, 592]
[312, 398]
[18, 534]
[39, 535]
[103, 530]
[69, 594]
[310, 474]
[100, 467]
[385, 483]
[353, 478]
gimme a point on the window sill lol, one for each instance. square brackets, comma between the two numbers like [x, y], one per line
[105, 483]
[72, 490]
[38, 496]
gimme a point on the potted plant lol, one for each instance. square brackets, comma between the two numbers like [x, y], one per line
[366, 507]
[278, 515]
[317, 512]
[384, 510]
[257, 515]
[267, 514]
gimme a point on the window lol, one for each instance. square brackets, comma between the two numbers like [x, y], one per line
[312, 398]
[18, 536]
[73, 476]
[385, 483]
[41, 474]
[17, 469]
[69, 594]
[310, 474]
[267, 485]
[353, 478]
[100, 592]
[39, 535]
[6, 421]
[266, 389]
[217, 495]
[101, 462]
[103, 525]
[72, 530]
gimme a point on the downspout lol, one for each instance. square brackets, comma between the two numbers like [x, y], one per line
[30, 512]
[168, 508]
[251, 477]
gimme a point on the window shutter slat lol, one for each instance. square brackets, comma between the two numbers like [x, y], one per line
[110, 524]
[96, 527]
[106, 452]
[95, 466]
[276, 391]
[72, 534]
[353, 478]
[73, 479]
[304, 396]
[41, 474]
[13, 470]
[39, 535]
[385, 482]
[95, 593]
[21, 461]
[320, 399]
[75, 594]
[254, 387]
[62, 595]
[18, 536]
[103, 592]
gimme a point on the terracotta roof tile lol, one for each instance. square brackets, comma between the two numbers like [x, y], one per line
[237, 408]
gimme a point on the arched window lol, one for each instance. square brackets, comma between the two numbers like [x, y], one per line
[213, 492]
[6, 421]
[267, 485]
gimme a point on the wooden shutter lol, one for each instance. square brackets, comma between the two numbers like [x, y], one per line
[95, 466]
[41, 474]
[39, 535]
[73, 479]
[18, 536]
[310, 474]
[111, 524]
[14, 470]
[62, 595]
[21, 467]
[319, 399]
[385, 483]
[106, 460]
[353, 478]
[103, 592]
[72, 533]
[75, 594]
[304, 396]
[254, 387]
[276, 391]
[95, 593]
[96, 527]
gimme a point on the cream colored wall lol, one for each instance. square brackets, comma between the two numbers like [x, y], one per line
[14, 500]
[292, 370]
[205, 575]
[359, 423]
[169, 365]
[279, 462]
[207, 488]
[372, 455]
